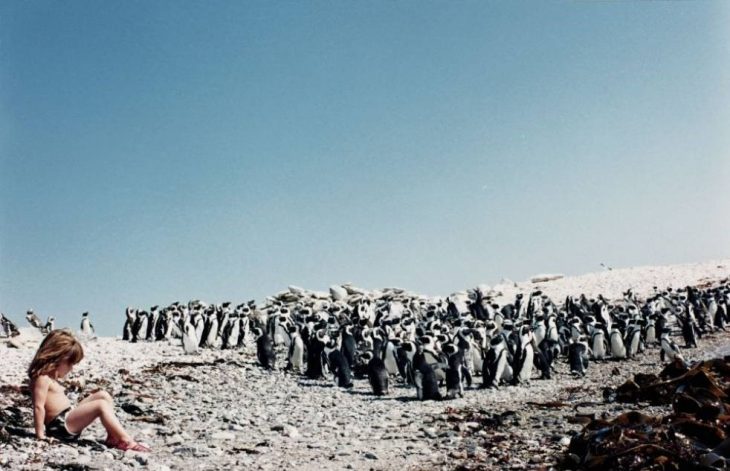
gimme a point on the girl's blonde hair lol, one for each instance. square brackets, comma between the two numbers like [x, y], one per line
[59, 345]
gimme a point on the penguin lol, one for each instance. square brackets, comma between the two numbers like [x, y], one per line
[242, 330]
[152, 324]
[377, 374]
[427, 387]
[295, 356]
[456, 374]
[389, 357]
[689, 331]
[669, 349]
[338, 365]
[8, 329]
[162, 325]
[406, 353]
[189, 339]
[50, 325]
[199, 325]
[496, 363]
[130, 315]
[578, 354]
[315, 350]
[210, 331]
[348, 345]
[618, 349]
[34, 320]
[633, 340]
[229, 339]
[599, 344]
[524, 358]
[721, 315]
[138, 330]
[650, 337]
[264, 349]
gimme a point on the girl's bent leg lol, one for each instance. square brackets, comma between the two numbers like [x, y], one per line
[86, 412]
[100, 394]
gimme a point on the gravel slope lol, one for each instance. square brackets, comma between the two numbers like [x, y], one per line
[219, 409]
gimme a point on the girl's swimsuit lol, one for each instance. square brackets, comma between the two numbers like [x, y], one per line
[56, 428]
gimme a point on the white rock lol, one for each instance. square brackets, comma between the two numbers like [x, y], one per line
[544, 277]
[290, 431]
[223, 436]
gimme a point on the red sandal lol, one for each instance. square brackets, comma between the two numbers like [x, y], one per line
[127, 446]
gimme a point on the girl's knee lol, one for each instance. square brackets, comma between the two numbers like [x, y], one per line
[104, 395]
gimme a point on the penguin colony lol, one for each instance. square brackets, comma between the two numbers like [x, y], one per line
[432, 343]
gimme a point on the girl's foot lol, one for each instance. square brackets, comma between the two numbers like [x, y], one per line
[126, 445]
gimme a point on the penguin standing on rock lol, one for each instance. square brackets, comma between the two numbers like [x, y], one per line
[524, 357]
[427, 386]
[295, 356]
[377, 374]
[189, 338]
[599, 344]
[496, 364]
[315, 351]
[86, 327]
[264, 349]
[669, 349]
[618, 349]
[578, 354]
[7, 328]
[129, 324]
[338, 365]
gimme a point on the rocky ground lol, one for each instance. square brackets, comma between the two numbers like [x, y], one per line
[220, 410]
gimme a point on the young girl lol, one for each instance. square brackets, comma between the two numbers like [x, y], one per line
[52, 411]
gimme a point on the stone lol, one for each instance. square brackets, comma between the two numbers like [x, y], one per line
[223, 436]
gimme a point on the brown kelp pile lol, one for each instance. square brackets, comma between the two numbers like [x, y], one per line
[694, 435]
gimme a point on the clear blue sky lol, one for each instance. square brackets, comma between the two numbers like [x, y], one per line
[160, 151]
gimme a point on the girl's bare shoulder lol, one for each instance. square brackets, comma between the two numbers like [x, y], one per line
[40, 381]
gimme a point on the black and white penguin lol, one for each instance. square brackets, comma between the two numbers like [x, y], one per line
[131, 317]
[315, 352]
[599, 344]
[338, 365]
[140, 326]
[427, 386]
[348, 345]
[243, 326]
[210, 336]
[50, 325]
[264, 349]
[189, 338]
[618, 349]
[633, 340]
[578, 354]
[689, 330]
[457, 374]
[162, 325]
[524, 357]
[229, 337]
[390, 356]
[669, 349]
[721, 314]
[33, 319]
[650, 337]
[377, 374]
[295, 356]
[496, 363]
[7, 327]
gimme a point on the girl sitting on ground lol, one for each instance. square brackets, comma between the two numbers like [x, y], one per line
[52, 411]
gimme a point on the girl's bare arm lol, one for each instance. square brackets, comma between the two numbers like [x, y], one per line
[40, 390]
